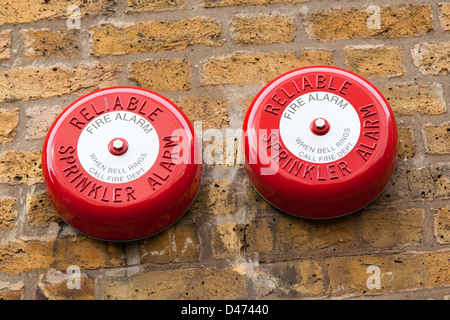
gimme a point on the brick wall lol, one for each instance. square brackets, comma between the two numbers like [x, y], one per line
[211, 57]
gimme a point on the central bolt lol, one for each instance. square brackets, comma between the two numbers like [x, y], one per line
[320, 126]
[320, 123]
[118, 146]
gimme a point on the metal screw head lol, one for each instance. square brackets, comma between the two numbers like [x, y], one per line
[118, 144]
[320, 123]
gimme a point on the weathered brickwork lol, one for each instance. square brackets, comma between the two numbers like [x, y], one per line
[158, 5]
[16, 11]
[175, 244]
[263, 29]
[39, 120]
[116, 39]
[162, 75]
[257, 68]
[8, 124]
[33, 83]
[211, 57]
[5, 45]
[375, 61]
[192, 283]
[400, 271]
[444, 15]
[8, 215]
[442, 225]
[437, 138]
[413, 97]
[44, 42]
[405, 142]
[18, 167]
[40, 210]
[237, 3]
[432, 57]
[26, 255]
[394, 21]
[12, 291]
[212, 113]
[53, 286]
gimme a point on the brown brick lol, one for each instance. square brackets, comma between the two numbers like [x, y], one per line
[375, 61]
[432, 57]
[403, 271]
[154, 5]
[87, 253]
[392, 228]
[318, 234]
[254, 200]
[258, 68]
[13, 291]
[418, 183]
[442, 225]
[227, 240]
[9, 120]
[444, 15]
[212, 112]
[437, 138]
[180, 284]
[217, 198]
[260, 236]
[395, 21]
[238, 3]
[33, 83]
[18, 256]
[5, 44]
[177, 243]
[405, 142]
[220, 197]
[294, 279]
[291, 237]
[40, 120]
[429, 182]
[7, 214]
[44, 42]
[263, 29]
[17, 11]
[412, 97]
[162, 74]
[55, 285]
[117, 39]
[20, 167]
[40, 210]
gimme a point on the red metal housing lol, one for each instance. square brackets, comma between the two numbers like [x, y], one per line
[319, 142]
[121, 163]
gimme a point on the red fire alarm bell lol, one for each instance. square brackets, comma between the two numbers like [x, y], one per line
[320, 142]
[120, 163]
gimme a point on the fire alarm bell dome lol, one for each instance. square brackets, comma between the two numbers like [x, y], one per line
[319, 142]
[120, 163]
